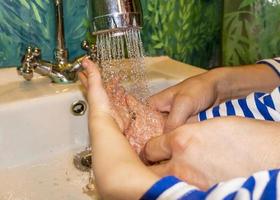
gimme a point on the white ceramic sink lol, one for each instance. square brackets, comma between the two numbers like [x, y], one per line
[39, 136]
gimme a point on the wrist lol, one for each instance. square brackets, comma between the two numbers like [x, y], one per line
[238, 82]
[220, 79]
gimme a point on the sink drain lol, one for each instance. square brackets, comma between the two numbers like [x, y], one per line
[79, 108]
[83, 161]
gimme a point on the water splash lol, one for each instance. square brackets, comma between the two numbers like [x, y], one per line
[121, 56]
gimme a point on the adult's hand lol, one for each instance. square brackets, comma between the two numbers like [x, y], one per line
[216, 150]
[187, 99]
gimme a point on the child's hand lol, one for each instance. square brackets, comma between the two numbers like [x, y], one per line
[137, 121]
[99, 103]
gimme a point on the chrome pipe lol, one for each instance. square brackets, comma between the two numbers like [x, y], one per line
[61, 53]
[60, 41]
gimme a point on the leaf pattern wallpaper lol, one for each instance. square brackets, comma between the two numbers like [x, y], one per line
[186, 30]
[204, 33]
[251, 31]
[32, 22]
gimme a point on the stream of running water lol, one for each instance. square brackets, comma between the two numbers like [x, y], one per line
[121, 56]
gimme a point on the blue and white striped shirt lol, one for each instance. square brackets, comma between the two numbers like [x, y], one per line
[262, 106]
[262, 185]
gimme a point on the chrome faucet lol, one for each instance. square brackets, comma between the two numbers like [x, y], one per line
[62, 71]
[114, 16]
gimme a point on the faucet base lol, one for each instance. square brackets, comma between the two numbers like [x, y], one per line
[61, 57]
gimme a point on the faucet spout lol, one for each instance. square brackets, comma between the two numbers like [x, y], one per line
[61, 53]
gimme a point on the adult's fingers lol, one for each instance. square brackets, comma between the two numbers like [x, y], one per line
[166, 146]
[158, 148]
[181, 110]
[162, 100]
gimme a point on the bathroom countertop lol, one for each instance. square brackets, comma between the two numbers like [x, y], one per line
[14, 88]
[163, 65]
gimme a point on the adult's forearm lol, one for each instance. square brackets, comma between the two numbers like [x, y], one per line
[236, 82]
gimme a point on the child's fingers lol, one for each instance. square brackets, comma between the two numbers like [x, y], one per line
[83, 79]
[93, 74]
[97, 95]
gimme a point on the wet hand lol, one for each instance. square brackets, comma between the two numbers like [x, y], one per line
[184, 101]
[99, 103]
[137, 121]
[108, 142]
[216, 150]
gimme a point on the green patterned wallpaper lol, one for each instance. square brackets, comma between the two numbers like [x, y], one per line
[186, 30]
[251, 31]
[25, 22]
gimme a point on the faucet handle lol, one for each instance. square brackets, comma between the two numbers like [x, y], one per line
[85, 45]
[31, 55]
[91, 49]
[29, 62]
[36, 53]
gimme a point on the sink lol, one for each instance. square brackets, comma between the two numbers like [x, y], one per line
[39, 135]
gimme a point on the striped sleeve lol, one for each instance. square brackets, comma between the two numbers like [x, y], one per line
[262, 185]
[262, 106]
[273, 63]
